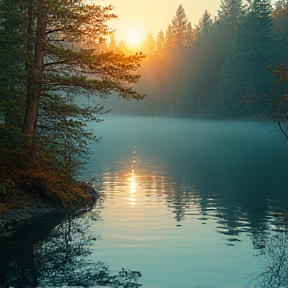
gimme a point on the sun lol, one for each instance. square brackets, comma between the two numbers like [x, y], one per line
[134, 38]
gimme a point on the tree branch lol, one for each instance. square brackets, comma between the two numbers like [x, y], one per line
[54, 63]
[281, 128]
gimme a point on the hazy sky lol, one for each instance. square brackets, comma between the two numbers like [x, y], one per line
[137, 17]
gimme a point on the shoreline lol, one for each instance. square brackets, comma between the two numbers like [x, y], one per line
[21, 207]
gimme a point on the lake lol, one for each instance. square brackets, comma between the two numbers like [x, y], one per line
[188, 203]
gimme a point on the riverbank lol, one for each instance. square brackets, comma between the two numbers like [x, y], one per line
[20, 206]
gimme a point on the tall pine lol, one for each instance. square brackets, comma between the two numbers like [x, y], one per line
[244, 73]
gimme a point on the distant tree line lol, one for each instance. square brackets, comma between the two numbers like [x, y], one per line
[234, 65]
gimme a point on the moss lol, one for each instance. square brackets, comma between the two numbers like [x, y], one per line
[47, 185]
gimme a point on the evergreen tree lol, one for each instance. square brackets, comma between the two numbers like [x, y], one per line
[280, 27]
[179, 27]
[12, 63]
[50, 82]
[160, 43]
[58, 61]
[231, 11]
[197, 71]
[205, 22]
[229, 17]
[149, 45]
[169, 37]
[244, 71]
[191, 34]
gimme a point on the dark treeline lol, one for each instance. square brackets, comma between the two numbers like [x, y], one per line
[230, 66]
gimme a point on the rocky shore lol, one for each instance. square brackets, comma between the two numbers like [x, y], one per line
[22, 206]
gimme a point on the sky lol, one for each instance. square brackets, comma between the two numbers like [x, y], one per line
[137, 17]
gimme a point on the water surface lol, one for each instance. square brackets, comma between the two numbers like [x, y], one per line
[192, 204]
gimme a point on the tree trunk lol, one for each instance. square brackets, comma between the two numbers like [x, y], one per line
[35, 68]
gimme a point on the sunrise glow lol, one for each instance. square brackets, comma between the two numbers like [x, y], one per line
[134, 38]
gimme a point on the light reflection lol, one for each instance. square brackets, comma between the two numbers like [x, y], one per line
[132, 189]
[132, 183]
[181, 197]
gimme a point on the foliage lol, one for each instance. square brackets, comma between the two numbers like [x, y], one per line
[12, 61]
[244, 71]
[223, 67]
[53, 61]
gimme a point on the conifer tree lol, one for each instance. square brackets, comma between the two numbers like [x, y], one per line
[198, 70]
[58, 26]
[280, 27]
[160, 43]
[169, 37]
[60, 60]
[179, 27]
[191, 34]
[231, 11]
[12, 53]
[149, 45]
[244, 71]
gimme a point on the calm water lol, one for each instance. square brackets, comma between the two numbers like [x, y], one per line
[193, 204]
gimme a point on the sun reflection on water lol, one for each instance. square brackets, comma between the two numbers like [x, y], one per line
[132, 181]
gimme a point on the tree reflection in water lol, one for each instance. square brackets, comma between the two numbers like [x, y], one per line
[61, 259]
[274, 260]
[17, 261]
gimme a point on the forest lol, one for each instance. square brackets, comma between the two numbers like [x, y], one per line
[230, 66]
[59, 59]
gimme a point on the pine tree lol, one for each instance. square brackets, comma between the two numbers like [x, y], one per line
[244, 71]
[179, 27]
[169, 38]
[205, 22]
[231, 11]
[280, 27]
[57, 65]
[59, 27]
[12, 55]
[194, 88]
[191, 34]
[160, 43]
[149, 45]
